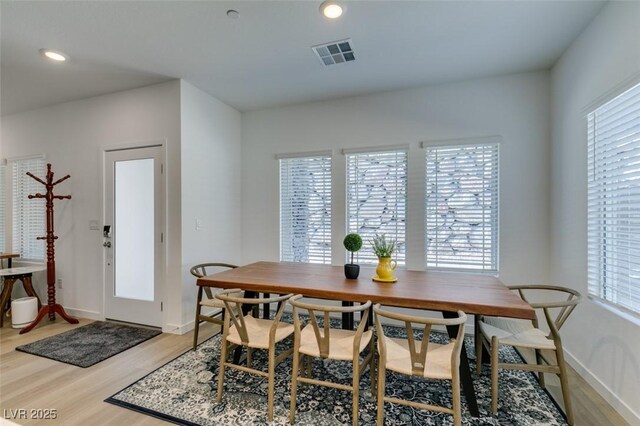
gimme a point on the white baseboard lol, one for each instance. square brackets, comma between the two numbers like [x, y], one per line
[83, 313]
[178, 329]
[97, 316]
[620, 406]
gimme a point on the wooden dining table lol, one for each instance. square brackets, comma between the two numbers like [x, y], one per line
[446, 292]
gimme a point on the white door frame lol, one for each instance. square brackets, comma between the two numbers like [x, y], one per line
[162, 268]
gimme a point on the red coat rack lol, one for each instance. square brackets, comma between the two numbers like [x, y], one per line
[51, 307]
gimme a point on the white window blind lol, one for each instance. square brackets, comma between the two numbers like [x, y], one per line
[614, 201]
[3, 195]
[305, 209]
[28, 215]
[377, 200]
[462, 207]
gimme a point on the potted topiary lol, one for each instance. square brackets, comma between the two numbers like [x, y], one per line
[352, 243]
[383, 248]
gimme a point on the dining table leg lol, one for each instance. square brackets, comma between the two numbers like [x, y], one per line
[348, 320]
[347, 317]
[266, 308]
[465, 371]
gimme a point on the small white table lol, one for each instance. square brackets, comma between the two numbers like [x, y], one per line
[11, 275]
[8, 256]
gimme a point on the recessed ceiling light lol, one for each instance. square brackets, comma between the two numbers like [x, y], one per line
[233, 14]
[54, 55]
[331, 9]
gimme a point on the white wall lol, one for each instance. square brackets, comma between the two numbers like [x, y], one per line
[514, 107]
[211, 186]
[72, 136]
[604, 347]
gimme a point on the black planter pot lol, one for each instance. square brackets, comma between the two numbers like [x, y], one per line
[351, 271]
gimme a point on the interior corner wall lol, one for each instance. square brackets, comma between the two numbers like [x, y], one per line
[513, 106]
[603, 346]
[211, 187]
[73, 135]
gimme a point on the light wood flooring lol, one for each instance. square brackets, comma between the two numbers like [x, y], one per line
[32, 382]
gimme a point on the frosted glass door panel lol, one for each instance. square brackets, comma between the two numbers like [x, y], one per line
[134, 229]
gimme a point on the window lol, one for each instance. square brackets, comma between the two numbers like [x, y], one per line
[28, 215]
[614, 201]
[3, 194]
[377, 199]
[305, 209]
[462, 207]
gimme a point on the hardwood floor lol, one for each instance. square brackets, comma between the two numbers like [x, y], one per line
[77, 394]
[589, 408]
[32, 382]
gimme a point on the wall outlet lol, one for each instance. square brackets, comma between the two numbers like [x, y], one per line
[59, 282]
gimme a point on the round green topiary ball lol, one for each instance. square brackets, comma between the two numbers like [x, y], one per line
[352, 242]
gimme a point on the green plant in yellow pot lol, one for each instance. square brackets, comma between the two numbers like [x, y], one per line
[383, 248]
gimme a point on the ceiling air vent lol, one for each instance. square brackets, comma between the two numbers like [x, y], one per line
[336, 52]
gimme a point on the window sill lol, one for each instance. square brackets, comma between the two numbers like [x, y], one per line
[463, 271]
[27, 262]
[620, 312]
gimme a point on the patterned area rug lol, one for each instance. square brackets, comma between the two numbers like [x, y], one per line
[88, 345]
[183, 391]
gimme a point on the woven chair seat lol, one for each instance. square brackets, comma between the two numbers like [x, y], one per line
[258, 332]
[340, 343]
[516, 333]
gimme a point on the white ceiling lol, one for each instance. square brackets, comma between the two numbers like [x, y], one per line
[264, 57]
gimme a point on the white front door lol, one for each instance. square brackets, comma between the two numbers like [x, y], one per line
[133, 235]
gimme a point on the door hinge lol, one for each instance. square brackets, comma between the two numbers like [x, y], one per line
[161, 168]
[162, 237]
[161, 306]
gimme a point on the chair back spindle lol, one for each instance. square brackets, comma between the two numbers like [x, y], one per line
[323, 338]
[418, 357]
[238, 320]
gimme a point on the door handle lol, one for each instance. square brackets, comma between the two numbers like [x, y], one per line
[106, 244]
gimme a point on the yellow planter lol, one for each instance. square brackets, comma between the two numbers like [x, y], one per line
[385, 268]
